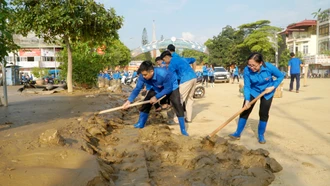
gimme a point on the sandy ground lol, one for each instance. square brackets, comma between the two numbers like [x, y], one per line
[298, 133]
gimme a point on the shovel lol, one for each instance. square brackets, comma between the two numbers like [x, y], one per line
[233, 117]
[131, 105]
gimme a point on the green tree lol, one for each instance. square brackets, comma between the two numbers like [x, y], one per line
[261, 37]
[321, 15]
[67, 21]
[147, 55]
[223, 48]
[6, 37]
[88, 62]
[199, 56]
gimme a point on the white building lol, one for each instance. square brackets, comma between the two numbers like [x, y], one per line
[311, 38]
[34, 52]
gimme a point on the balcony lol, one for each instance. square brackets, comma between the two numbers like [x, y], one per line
[28, 64]
[44, 64]
[50, 64]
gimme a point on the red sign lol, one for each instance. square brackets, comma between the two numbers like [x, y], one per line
[29, 52]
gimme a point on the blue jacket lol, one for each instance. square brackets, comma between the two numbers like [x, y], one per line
[256, 82]
[134, 74]
[106, 76]
[116, 75]
[205, 71]
[236, 71]
[181, 69]
[163, 82]
[126, 73]
[294, 64]
[211, 72]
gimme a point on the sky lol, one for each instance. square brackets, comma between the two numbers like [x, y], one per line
[199, 20]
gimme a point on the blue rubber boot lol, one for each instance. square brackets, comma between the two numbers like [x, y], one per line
[182, 126]
[261, 131]
[240, 127]
[142, 120]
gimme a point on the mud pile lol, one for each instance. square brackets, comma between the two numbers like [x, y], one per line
[156, 156]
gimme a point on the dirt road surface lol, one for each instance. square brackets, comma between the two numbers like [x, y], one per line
[298, 137]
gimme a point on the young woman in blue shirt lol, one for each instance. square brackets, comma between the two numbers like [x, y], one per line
[258, 77]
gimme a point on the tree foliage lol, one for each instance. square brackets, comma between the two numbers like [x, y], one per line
[68, 21]
[234, 45]
[321, 15]
[223, 48]
[199, 56]
[146, 55]
[88, 62]
[6, 38]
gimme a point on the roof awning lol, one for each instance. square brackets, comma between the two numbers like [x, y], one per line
[325, 64]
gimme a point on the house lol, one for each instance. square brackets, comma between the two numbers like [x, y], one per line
[34, 52]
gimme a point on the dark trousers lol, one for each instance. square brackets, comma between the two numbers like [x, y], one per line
[174, 98]
[205, 79]
[236, 77]
[297, 77]
[211, 79]
[263, 110]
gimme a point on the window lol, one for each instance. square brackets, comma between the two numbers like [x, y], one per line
[305, 49]
[324, 30]
[291, 48]
[23, 59]
[48, 58]
[30, 59]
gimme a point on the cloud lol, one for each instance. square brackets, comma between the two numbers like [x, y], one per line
[191, 37]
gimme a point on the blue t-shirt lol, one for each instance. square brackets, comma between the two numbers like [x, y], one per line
[205, 71]
[236, 71]
[256, 82]
[181, 68]
[294, 64]
[211, 72]
[163, 82]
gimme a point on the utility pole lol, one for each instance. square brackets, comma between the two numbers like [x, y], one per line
[276, 50]
[5, 97]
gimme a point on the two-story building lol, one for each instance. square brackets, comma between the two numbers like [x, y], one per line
[311, 38]
[34, 52]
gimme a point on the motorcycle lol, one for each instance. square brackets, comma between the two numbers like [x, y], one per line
[128, 80]
[199, 90]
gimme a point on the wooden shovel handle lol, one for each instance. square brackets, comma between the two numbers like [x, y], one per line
[131, 105]
[234, 116]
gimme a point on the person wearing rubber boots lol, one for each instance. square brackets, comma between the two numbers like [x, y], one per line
[186, 77]
[258, 77]
[162, 82]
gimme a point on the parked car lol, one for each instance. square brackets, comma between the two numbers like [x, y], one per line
[221, 75]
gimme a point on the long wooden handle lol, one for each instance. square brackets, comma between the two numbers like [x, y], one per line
[131, 105]
[234, 116]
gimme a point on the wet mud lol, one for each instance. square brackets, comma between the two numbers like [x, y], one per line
[107, 150]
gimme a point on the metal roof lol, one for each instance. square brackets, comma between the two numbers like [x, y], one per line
[162, 44]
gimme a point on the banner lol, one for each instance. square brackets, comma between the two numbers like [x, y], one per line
[29, 52]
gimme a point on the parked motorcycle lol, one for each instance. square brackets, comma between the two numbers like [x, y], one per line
[199, 90]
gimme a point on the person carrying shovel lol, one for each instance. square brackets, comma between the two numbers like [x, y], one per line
[258, 78]
[162, 82]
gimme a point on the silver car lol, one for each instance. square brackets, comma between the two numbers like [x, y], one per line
[221, 75]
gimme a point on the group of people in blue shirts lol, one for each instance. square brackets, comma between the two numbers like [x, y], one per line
[208, 75]
[117, 75]
[175, 79]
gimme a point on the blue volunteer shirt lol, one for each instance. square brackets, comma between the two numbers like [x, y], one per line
[256, 82]
[181, 69]
[205, 71]
[134, 74]
[211, 72]
[236, 71]
[163, 82]
[116, 75]
[294, 64]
